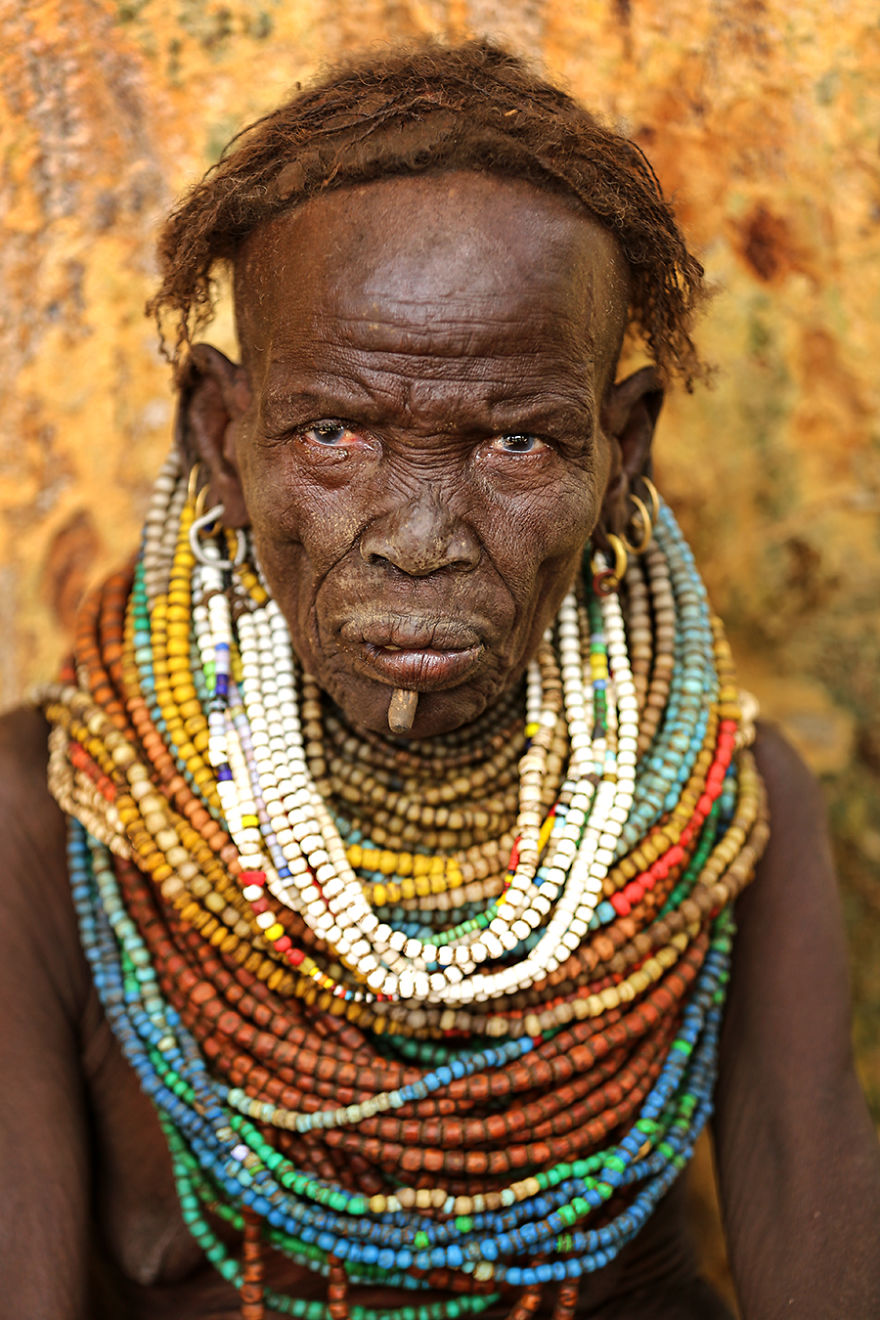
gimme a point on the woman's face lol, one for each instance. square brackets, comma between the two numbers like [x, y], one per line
[418, 436]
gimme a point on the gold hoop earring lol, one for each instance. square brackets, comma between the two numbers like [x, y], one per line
[607, 580]
[192, 481]
[196, 495]
[645, 529]
[199, 506]
[653, 496]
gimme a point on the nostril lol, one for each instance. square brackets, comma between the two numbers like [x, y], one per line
[421, 538]
[374, 559]
[421, 561]
[462, 550]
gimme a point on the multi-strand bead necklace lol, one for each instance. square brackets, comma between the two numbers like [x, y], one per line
[438, 1017]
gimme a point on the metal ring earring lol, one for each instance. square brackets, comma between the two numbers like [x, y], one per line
[653, 496]
[646, 529]
[607, 579]
[202, 523]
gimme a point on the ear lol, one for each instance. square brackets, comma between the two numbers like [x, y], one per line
[213, 397]
[628, 417]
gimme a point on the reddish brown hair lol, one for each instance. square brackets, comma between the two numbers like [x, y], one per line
[431, 107]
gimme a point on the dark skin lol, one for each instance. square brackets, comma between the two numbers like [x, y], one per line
[418, 439]
[434, 510]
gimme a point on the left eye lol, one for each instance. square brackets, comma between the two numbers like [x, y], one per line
[327, 433]
[518, 443]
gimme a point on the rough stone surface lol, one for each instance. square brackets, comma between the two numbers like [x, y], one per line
[761, 120]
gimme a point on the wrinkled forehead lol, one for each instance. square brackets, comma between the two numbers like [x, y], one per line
[446, 250]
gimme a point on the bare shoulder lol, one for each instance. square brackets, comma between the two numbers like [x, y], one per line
[38, 921]
[793, 787]
[789, 993]
[23, 754]
[29, 817]
[797, 866]
[792, 1132]
[44, 990]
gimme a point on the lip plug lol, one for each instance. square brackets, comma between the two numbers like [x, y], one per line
[402, 710]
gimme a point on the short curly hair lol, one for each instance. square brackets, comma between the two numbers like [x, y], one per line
[421, 108]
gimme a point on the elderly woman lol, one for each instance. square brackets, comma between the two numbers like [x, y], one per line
[372, 954]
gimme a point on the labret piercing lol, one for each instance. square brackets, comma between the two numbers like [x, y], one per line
[402, 710]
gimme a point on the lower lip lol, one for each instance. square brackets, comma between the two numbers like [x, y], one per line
[423, 670]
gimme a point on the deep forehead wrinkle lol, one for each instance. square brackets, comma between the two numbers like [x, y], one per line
[384, 286]
[450, 328]
[383, 348]
[433, 338]
[465, 280]
[357, 367]
[418, 400]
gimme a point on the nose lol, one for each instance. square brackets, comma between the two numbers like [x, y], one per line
[419, 536]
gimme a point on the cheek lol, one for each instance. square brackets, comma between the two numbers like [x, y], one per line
[298, 538]
[546, 547]
[544, 536]
[295, 519]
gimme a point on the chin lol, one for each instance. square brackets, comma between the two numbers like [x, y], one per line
[365, 706]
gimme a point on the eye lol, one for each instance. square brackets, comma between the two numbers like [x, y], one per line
[517, 443]
[330, 433]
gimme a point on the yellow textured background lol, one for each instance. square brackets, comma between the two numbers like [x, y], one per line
[762, 120]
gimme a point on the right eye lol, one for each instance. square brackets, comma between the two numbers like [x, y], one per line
[332, 434]
[518, 442]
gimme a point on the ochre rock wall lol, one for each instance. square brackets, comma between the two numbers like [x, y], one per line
[761, 118]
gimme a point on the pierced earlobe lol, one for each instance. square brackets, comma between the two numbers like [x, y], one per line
[211, 403]
[208, 523]
[629, 419]
[608, 577]
[640, 528]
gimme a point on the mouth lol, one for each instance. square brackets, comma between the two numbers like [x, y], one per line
[423, 669]
[408, 652]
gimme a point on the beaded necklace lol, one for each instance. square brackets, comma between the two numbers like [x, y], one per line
[440, 1018]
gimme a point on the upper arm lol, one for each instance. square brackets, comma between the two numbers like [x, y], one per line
[44, 1158]
[798, 1161]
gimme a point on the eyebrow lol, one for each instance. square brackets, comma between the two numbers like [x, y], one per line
[378, 391]
[290, 407]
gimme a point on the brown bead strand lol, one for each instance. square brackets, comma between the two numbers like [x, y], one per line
[663, 611]
[521, 1158]
[566, 1301]
[99, 623]
[337, 1291]
[527, 1304]
[639, 633]
[251, 1291]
